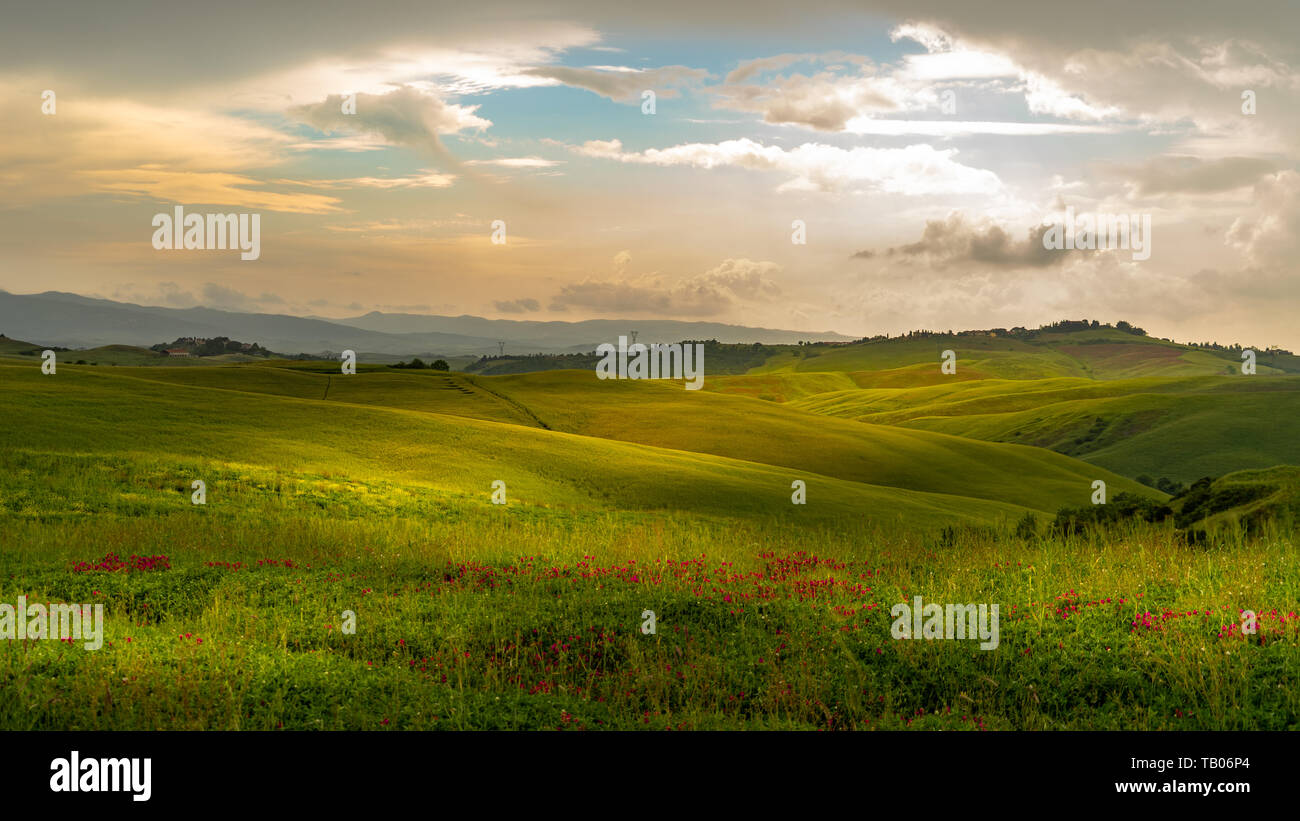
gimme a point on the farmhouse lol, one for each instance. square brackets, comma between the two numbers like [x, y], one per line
[177, 352]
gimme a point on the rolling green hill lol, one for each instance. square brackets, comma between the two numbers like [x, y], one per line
[171, 433]
[1250, 499]
[1182, 428]
[1104, 353]
[664, 415]
[126, 355]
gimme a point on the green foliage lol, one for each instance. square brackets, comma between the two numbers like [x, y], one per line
[1027, 527]
[1121, 507]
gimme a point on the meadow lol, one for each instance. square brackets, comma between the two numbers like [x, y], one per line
[468, 618]
[370, 497]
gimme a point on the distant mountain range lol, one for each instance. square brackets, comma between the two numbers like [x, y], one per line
[72, 321]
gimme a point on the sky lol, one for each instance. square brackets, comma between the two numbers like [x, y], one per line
[858, 167]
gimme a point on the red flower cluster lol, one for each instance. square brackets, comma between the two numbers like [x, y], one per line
[289, 563]
[112, 562]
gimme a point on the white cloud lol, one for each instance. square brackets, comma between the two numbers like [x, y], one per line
[959, 128]
[404, 116]
[622, 83]
[425, 179]
[517, 162]
[914, 170]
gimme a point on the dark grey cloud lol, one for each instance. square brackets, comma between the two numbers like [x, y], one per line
[954, 241]
[640, 299]
[707, 294]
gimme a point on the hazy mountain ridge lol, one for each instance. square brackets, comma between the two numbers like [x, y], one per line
[71, 320]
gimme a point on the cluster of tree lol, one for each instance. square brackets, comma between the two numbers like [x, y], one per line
[529, 363]
[217, 345]
[417, 364]
[1122, 507]
[1199, 501]
[37, 350]
[1129, 329]
[1164, 484]
[1023, 334]
[732, 357]
[1202, 499]
[1236, 349]
[719, 358]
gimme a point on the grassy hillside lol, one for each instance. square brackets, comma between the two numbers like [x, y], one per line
[665, 415]
[429, 391]
[1182, 428]
[110, 355]
[188, 432]
[1092, 354]
[1254, 501]
[16, 347]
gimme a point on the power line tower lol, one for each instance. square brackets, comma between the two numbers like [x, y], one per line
[502, 346]
[633, 337]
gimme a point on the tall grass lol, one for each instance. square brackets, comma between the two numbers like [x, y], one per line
[473, 616]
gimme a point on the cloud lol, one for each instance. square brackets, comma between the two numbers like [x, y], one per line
[915, 170]
[752, 68]
[621, 260]
[404, 117]
[708, 294]
[954, 242]
[107, 141]
[416, 308]
[355, 143]
[649, 298]
[427, 178]
[825, 101]
[1269, 235]
[743, 278]
[518, 162]
[1179, 71]
[1193, 175]
[227, 299]
[963, 128]
[165, 294]
[623, 84]
[207, 188]
[853, 94]
[517, 306]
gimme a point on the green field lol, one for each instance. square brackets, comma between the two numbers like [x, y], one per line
[372, 494]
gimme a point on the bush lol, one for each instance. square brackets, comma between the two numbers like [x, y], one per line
[1027, 527]
[1203, 501]
[1171, 487]
[1123, 507]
